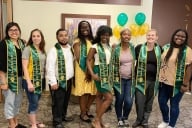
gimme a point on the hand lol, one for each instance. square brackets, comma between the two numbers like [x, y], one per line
[184, 88]
[30, 87]
[96, 77]
[4, 86]
[54, 87]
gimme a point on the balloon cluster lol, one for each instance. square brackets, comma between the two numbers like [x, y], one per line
[137, 28]
[140, 28]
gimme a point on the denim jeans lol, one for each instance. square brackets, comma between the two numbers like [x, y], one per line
[32, 98]
[165, 94]
[123, 101]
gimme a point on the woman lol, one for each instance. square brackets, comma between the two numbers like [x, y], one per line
[174, 77]
[33, 62]
[100, 53]
[123, 60]
[11, 72]
[148, 57]
[84, 89]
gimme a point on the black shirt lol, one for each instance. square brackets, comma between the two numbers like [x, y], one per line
[3, 58]
[151, 63]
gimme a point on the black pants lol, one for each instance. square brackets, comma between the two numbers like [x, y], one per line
[60, 100]
[144, 103]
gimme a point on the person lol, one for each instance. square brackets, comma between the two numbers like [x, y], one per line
[11, 72]
[123, 61]
[174, 77]
[33, 62]
[100, 53]
[86, 90]
[148, 57]
[60, 73]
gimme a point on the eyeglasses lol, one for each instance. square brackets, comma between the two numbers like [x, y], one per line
[13, 30]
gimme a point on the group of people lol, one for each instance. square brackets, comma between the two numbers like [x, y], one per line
[92, 69]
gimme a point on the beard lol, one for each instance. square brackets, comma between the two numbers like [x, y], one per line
[63, 43]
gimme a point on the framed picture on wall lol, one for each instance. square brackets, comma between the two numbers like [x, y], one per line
[71, 21]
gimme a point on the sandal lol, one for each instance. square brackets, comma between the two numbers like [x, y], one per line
[85, 118]
[89, 115]
[40, 125]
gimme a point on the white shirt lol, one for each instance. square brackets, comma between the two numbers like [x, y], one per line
[52, 68]
[107, 53]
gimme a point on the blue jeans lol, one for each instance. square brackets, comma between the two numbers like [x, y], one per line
[165, 94]
[32, 98]
[124, 101]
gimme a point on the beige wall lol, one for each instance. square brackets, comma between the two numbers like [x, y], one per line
[47, 15]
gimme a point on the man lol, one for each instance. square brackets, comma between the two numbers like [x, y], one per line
[60, 72]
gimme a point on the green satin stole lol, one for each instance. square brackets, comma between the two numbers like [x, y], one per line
[12, 73]
[104, 68]
[116, 65]
[142, 66]
[180, 71]
[37, 80]
[61, 67]
[83, 55]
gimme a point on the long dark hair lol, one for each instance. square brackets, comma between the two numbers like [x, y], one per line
[173, 44]
[82, 37]
[42, 43]
[9, 25]
[100, 31]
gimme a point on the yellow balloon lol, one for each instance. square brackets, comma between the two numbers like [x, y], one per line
[134, 29]
[143, 29]
[116, 31]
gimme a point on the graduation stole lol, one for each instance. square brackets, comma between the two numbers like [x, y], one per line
[116, 65]
[12, 73]
[180, 71]
[104, 68]
[37, 80]
[61, 66]
[83, 55]
[142, 65]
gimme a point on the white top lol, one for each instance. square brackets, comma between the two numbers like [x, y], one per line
[107, 53]
[51, 64]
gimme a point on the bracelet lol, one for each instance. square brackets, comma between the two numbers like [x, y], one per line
[184, 85]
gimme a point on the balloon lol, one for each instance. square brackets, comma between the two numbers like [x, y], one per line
[140, 18]
[122, 19]
[134, 28]
[116, 31]
[143, 29]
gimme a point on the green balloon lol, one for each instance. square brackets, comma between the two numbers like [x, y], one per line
[122, 19]
[140, 18]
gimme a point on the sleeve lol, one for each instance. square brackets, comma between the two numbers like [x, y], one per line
[51, 67]
[26, 53]
[189, 56]
[3, 56]
[137, 50]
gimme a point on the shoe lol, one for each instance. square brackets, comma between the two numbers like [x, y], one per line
[145, 125]
[85, 118]
[126, 123]
[20, 126]
[136, 124]
[59, 126]
[120, 124]
[163, 125]
[170, 127]
[67, 119]
[89, 115]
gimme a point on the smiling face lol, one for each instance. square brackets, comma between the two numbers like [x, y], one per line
[14, 33]
[179, 38]
[105, 38]
[151, 36]
[63, 37]
[36, 38]
[125, 36]
[84, 29]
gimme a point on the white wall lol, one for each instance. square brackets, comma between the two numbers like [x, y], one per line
[47, 16]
